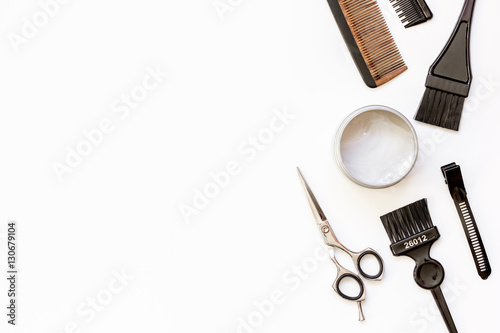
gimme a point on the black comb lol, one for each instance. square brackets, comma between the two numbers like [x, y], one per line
[412, 12]
[412, 234]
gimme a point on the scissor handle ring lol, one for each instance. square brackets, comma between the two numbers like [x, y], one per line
[380, 263]
[358, 281]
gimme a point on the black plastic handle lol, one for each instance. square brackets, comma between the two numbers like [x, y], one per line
[451, 72]
[351, 44]
[443, 309]
[428, 274]
[425, 9]
[468, 10]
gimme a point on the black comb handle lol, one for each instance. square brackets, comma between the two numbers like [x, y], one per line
[425, 9]
[351, 44]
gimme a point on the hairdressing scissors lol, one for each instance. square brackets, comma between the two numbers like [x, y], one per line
[332, 242]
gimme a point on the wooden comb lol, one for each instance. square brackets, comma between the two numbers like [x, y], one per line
[369, 40]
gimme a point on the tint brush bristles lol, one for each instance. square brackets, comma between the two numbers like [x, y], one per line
[407, 221]
[441, 109]
[412, 12]
[369, 40]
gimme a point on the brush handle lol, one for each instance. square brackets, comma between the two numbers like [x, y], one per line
[451, 71]
[443, 309]
[467, 11]
[428, 273]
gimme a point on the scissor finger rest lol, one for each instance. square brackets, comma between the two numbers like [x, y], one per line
[344, 274]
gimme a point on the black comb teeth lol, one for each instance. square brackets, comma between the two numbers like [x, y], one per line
[407, 221]
[412, 12]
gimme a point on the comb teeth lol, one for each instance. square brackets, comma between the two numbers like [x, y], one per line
[374, 39]
[411, 12]
[407, 221]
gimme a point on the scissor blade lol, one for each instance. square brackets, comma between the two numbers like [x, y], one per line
[316, 209]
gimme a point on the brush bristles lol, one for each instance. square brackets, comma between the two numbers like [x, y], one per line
[374, 39]
[409, 12]
[441, 109]
[407, 221]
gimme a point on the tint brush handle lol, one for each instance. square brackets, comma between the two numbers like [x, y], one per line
[451, 72]
[467, 11]
[443, 309]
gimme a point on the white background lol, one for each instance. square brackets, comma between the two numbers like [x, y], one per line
[119, 209]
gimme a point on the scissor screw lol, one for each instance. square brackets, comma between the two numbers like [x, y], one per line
[325, 229]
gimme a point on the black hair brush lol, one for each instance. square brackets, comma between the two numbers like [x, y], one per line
[449, 79]
[412, 234]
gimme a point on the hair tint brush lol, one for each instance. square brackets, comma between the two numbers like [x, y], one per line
[412, 234]
[449, 79]
[368, 39]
